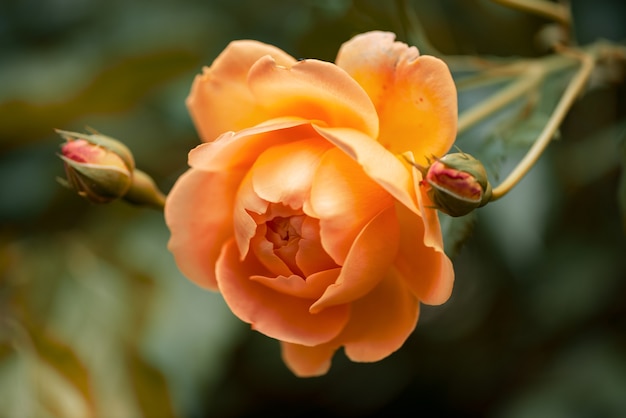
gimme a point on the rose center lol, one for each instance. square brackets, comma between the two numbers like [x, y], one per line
[283, 230]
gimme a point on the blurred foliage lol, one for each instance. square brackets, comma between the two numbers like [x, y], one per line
[95, 319]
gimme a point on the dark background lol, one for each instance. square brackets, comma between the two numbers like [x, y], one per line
[95, 316]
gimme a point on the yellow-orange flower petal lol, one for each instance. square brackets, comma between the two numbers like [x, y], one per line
[345, 200]
[379, 164]
[247, 203]
[219, 100]
[239, 150]
[426, 270]
[414, 95]
[283, 174]
[264, 251]
[379, 324]
[368, 261]
[273, 313]
[196, 241]
[311, 288]
[313, 90]
[312, 257]
[381, 321]
[306, 361]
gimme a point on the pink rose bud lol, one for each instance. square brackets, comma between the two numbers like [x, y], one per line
[98, 168]
[458, 184]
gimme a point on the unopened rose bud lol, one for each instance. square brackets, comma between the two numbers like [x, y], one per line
[102, 169]
[98, 168]
[458, 184]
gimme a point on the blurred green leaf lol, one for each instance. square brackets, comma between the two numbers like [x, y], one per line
[42, 377]
[62, 358]
[150, 387]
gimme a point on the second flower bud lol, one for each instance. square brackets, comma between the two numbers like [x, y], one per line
[457, 184]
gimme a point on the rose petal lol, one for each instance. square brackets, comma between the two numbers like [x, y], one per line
[379, 324]
[312, 257]
[241, 149]
[311, 288]
[219, 100]
[272, 313]
[379, 164]
[306, 361]
[432, 233]
[283, 174]
[344, 199]
[381, 321]
[414, 95]
[247, 203]
[368, 261]
[199, 213]
[264, 251]
[313, 90]
[427, 271]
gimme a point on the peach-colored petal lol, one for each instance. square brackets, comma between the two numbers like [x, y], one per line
[219, 100]
[383, 167]
[273, 313]
[427, 271]
[381, 321]
[306, 361]
[344, 199]
[312, 257]
[379, 324]
[199, 213]
[313, 90]
[241, 149]
[310, 288]
[432, 233]
[264, 252]
[414, 95]
[368, 261]
[283, 173]
[246, 204]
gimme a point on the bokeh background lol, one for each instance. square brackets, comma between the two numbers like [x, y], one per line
[96, 320]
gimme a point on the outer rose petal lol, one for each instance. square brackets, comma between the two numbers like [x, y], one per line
[381, 321]
[273, 313]
[427, 271]
[306, 361]
[415, 97]
[219, 100]
[313, 90]
[199, 214]
[379, 324]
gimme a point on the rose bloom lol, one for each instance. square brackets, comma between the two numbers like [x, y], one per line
[300, 206]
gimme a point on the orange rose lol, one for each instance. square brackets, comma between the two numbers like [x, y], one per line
[300, 207]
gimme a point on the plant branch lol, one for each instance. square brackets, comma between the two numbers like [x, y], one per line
[572, 91]
[553, 11]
